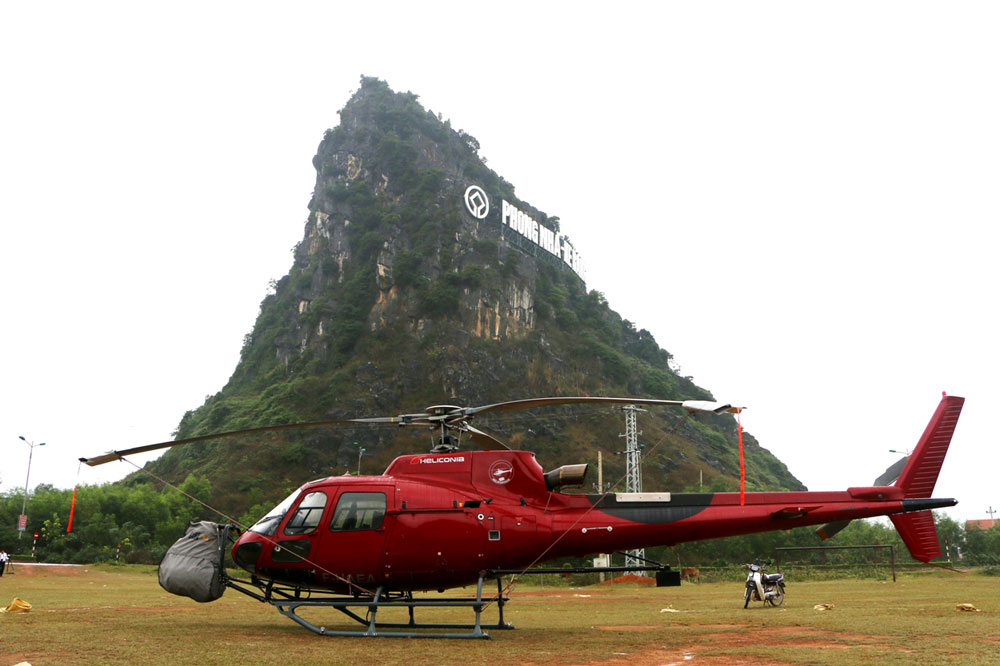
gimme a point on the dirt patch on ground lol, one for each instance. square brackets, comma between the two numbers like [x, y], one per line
[117, 609]
[692, 656]
[674, 658]
[573, 594]
[38, 569]
[721, 636]
[630, 578]
[817, 639]
[821, 633]
[627, 627]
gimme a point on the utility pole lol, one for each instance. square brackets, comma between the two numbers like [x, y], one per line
[991, 511]
[22, 520]
[603, 559]
[633, 475]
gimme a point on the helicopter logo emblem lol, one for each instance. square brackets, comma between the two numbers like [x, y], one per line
[501, 472]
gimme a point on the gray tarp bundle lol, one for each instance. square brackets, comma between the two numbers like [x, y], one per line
[192, 566]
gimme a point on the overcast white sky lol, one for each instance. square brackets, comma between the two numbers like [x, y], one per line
[798, 199]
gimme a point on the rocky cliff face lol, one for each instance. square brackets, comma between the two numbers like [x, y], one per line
[440, 169]
[406, 292]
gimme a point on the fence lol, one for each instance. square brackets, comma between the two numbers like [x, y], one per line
[892, 553]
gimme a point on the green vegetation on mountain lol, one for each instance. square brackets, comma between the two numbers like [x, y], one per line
[398, 299]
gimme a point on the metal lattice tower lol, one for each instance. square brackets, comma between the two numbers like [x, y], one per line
[633, 475]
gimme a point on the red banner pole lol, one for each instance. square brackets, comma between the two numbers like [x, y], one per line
[743, 477]
[72, 506]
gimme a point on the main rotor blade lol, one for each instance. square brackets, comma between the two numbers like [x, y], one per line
[447, 419]
[710, 406]
[118, 455]
[690, 405]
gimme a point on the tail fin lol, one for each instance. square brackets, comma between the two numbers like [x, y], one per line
[917, 479]
[919, 476]
[918, 533]
[921, 472]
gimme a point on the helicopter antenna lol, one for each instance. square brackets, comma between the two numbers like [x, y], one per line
[633, 474]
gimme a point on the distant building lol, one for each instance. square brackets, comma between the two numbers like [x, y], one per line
[983, 524]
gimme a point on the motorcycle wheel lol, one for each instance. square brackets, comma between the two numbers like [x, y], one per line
[779, 596]
[746, 598]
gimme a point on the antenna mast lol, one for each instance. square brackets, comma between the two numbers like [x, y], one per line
[633, 475]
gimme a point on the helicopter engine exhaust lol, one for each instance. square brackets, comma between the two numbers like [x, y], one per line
[567, 475]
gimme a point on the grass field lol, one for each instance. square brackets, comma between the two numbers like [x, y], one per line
[105, 615]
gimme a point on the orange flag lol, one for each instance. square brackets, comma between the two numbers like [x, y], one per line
[743, 477]
[72, 506]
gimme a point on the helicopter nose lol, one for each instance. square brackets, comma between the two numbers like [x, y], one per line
[247, 552]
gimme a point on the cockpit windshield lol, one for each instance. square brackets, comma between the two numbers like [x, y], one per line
[269, 523]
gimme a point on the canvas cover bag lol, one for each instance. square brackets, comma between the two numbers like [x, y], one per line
[192, 566]
[17, 606]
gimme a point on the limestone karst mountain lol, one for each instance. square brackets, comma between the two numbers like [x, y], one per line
[422, 279]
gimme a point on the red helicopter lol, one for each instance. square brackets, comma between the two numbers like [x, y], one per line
[452, 518]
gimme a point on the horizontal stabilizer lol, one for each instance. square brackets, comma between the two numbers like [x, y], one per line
[831, 529]
[889, 476]
[918, 533]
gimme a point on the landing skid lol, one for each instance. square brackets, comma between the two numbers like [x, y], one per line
[288, 602]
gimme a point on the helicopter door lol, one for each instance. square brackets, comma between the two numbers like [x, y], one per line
[295, 545]
[355, 538]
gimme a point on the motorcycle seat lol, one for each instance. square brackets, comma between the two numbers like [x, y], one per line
[773, 578]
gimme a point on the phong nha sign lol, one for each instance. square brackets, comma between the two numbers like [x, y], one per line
[478, 205]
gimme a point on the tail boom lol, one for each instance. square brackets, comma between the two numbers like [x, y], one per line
[697, 517]
[604, 523]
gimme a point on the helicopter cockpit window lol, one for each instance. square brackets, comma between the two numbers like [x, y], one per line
[359, 511]
[269, 523]
[306, 517]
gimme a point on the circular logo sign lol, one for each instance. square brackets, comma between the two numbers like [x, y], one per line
[501, 472]
[477, 202]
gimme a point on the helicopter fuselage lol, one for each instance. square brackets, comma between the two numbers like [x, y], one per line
[435, 521]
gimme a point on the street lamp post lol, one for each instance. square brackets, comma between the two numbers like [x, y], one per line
[361, 452]
[24, 504]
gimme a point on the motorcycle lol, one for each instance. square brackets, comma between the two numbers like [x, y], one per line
[761, 586]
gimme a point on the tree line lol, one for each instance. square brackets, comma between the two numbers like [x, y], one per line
[133, 523]
[960, 545]
[137, 523]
